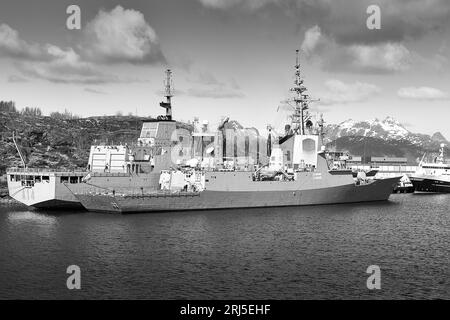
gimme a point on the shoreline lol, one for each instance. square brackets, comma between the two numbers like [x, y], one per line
[8, 200]
[5, 198]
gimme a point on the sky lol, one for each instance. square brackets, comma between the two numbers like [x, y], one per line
[230, 58]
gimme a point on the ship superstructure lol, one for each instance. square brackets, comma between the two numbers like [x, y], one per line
[432, 176]
[297, 173]
[117, 167]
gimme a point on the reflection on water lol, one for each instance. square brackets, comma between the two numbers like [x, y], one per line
[36, 217]
[275, 253]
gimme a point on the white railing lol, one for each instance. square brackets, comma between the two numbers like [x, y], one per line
[45, 170]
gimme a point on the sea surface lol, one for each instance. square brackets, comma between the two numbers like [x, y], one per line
[317, 252]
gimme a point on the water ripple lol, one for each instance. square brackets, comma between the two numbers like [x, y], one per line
[317, 252]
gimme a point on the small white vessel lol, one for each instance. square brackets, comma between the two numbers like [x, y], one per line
[432, 176]
[47, 188]
[43, 188]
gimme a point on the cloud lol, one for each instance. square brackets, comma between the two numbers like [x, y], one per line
[313, 37]
[90, 90]
[214, 93]
[206, 85]
[48, 72]
[16, 79]
[338, 92]
[400, 19]
[13, 47]
[243, 4]
[374, 58]
[120, 36]
[385, 57]
[234, 84]
[338, 27]
[206, 78]
[220, 4]
[422, 93]
[47, 62]
[64, 66]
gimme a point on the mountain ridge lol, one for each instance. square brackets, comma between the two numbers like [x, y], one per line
[386, 129]
[387, 137]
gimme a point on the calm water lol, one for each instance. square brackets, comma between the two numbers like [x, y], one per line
[289, 253]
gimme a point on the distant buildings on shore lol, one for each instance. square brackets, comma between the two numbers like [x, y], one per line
[386, 166]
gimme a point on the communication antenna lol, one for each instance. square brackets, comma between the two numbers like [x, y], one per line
[301, 99]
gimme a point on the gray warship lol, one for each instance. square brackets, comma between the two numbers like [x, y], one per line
[166, 173]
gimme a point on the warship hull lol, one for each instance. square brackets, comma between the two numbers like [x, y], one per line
[378, 190]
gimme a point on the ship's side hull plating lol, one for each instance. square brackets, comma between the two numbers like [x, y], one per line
[376, 191]
[430, 184]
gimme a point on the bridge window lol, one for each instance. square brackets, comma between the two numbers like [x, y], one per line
[46, 178]
[149, 130]
[12, 177]
[64, 179]
[309, 145]
[27, 183]
[73, 180]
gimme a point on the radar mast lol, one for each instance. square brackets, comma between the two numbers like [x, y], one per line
[168, 87]
[301, 100]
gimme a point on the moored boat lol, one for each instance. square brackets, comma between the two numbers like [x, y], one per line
[43, 188]
[432, 176]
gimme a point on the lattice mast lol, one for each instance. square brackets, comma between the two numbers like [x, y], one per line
[301, 100]
[168, 88]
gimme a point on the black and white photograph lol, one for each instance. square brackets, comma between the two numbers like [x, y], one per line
[224, 154]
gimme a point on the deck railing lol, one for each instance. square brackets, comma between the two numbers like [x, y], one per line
[45, 170]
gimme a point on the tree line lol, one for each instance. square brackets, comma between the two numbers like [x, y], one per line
[10, 106]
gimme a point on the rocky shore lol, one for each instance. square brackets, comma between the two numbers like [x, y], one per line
[4, 196]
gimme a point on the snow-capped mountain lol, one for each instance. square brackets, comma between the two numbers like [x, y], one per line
[438, 137]
[386, 137]
[386, 129]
